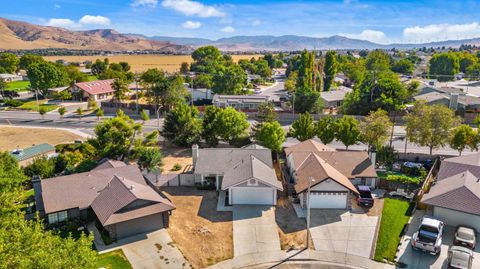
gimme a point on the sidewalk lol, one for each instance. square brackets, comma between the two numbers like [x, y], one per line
[259, 259]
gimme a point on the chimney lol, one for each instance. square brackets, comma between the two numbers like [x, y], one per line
[194, 154]
[372, 154]
[37, 188]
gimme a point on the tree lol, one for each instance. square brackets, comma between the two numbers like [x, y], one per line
[203, 81]
[150, 158]
[291, 81]
[184, 68]
[114, 137]
[29, 244]
[61, 111]
[229, 80]
[181, 126]
[44, 75]
[473, 72]
[28, 59]
[462, 137]
[271, 135]
[306, 70]
[403, 66]
[210, 126]
[430, 126]
[42, 111]
[99, 113]
[302, 128]
[308, 101]
[62, 95]
[144, 116]
[325, 129]
[91, 103]
[42, 166]
[466, 60]
[207, 59]
[9, 62]
[266, 112]
[99, 67]
[232, 124]
[347, 131]
[355, 70]
[374, 131]
[120, 89]
[74, 74]
[443, 66]
[330, 69]
[377, 61]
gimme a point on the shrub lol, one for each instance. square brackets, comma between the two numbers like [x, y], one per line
[13, 102]
[177, 167]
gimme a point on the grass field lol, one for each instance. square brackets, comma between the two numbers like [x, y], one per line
[113, 260]
[140, 63]
[18, 137]
[18, 86]
[32, 105]
[395, 216]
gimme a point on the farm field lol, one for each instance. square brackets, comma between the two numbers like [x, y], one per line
[140, 63]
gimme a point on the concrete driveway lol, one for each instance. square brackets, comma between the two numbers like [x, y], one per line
[343, 231]
[419, 259]
[254, 230]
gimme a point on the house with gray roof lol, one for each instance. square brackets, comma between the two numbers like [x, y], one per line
[455, 195]
[334, 97]
[114, 195]
[245, 174]
[242, 102]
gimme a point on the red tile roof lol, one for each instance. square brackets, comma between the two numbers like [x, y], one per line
[96, 87]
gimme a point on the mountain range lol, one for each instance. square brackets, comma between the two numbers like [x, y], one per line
[21, 35]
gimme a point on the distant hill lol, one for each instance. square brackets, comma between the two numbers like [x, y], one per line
[22, 35]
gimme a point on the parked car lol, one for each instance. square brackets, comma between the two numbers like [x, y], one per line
[460, 258]
[365, 197]
[428, 238]
[465, 236]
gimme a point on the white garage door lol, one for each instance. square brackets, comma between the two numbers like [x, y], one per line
[328, 199]
[252, 196]
[455, 218]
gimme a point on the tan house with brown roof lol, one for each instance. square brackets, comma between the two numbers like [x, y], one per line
[114, 194]
[332, 174]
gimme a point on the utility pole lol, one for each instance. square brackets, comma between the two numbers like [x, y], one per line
[293, 106]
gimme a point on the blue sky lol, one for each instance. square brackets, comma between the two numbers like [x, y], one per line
[378, 21]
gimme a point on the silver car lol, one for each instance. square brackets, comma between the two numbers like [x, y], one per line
[428, 238]
[460, 258]
[465, 236]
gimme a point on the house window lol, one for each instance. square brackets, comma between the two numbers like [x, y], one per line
[57, 217]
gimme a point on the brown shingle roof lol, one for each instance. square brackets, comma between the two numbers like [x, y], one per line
[318, 170]
[459, 192]
[110, 164]
[121, 192]
[248, 168]
[309, 145]
[456, 165]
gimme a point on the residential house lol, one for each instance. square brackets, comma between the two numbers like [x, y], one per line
[455, 101]
[245, 174]
[242, 102]
[331, 174]
[10, 77]
[114, 195]
[200, 94]
[455, 195]
[98, 90]
[27, 155]
[334, 97]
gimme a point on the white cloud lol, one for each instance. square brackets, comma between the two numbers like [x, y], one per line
[57, 6]
[192, 8]
[144, 3]
[84, 22]
[191, 25]
[228, 29]
[445, 31]
[64, 23]
[94, 20]
[256, 22]
[370, 35]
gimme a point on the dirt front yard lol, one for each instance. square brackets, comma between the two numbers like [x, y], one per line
[19, 137]
[202, 234]
[292, 230]
[174, 156]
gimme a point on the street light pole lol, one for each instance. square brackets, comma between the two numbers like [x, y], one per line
[310, 179]
[293, 106]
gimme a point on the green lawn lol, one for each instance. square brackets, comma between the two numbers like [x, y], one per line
[92, 78]
[395, 215]
[19, 86]
[32, 105]
[113, 260]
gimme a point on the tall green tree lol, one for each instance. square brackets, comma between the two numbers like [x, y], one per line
[207, 59]
[306, 70]
[210, 126]
[347, 131]
[266, 112]
[182, 126]
[430, 126]
[375, 129]
[271, 135]
[473, 72]
[150, 158]
[330, 69]
[403, 66]
[44, 75]
[461, 137]
[325, 129]
[377, 61]
[9, 62]
[120, 89]
[443, 66]
[302, 128]
[232, 124]
[229, 80]
[28, 59]
[466, 60]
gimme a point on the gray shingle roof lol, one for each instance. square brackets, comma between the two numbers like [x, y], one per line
[457, 165]
[219, 160]
[33, 151]
[459, 192]
[250, 167]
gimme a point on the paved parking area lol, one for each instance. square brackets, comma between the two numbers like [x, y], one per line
[343, 231]
[418, 259]
[254, 230]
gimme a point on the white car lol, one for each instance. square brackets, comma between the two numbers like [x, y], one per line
[428, 238]
[460, 258]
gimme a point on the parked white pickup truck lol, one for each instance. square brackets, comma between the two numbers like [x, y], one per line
[428, 238]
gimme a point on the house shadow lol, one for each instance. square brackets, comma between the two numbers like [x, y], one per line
[319, 217]
[287, 219]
